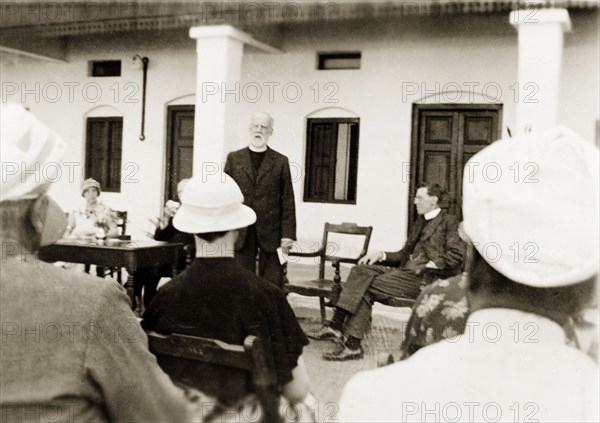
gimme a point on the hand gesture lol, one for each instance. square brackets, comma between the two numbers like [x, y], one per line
[371, 258]
[286, 245]
[170, 209]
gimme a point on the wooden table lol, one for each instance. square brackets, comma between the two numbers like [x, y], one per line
[131, 255]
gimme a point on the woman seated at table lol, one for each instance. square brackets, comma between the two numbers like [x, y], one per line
[93, 218]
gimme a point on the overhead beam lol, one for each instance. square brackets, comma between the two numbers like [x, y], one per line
[25, 53]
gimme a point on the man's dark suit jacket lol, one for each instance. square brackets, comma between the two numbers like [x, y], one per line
[269, 193]
[440, 240]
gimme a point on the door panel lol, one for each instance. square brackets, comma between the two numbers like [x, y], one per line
[180, 147]
[437, 167]
[437, 146]
[444, 137]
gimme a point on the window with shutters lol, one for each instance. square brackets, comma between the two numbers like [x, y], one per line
[104, 139]
[331, 160]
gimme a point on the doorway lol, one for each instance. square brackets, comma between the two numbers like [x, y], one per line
[444, 138]
[180, 147]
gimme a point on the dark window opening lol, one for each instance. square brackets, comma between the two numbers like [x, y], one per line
[331, 160]
[104, 68]
[103, 147]
[336, 61]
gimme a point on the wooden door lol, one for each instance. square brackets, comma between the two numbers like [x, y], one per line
[180, 147]
[445, 137]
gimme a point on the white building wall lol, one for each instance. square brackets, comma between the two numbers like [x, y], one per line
[449, 53]
[171, 74]
[395, 55]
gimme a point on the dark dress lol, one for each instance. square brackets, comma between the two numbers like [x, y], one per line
[440, 312]
[218, 298]
[149, 277]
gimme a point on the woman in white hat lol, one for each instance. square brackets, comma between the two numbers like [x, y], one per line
[92, 218]
[216, 297]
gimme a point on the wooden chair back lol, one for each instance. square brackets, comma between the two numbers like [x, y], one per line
[329, 253]
[249, 357]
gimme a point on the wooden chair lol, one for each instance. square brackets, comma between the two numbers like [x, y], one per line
[322, 287]
[326, 288]
[122, 225]
[190, 253]
[249, 357]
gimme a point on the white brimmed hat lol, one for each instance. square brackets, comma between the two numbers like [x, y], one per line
[212, 204]
[31, 154]
[530, 206]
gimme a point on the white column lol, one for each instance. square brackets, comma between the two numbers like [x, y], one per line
[540, 59]
[219, 63]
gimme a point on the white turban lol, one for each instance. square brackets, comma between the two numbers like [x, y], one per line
[31, 154]
[530, 206]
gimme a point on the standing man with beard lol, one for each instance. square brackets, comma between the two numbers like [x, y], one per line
[264, 177]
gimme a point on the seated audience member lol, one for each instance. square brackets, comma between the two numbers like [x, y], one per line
[149, 277]
[513, 357]
[216, 297]
[91, 219]
[71, 348]
[433, 243]
[440, 311]
[92, 215]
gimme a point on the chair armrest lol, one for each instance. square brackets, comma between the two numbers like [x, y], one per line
[285, 280]
[337, 261]
[301, 254]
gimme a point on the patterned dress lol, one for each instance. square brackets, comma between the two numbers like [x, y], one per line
[86, 219]
[440, 312]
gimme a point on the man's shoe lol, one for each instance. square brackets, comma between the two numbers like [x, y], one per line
[327, 332]
[343, 353]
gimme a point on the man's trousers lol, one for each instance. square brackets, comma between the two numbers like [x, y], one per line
[369, 283]
[268, 263]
